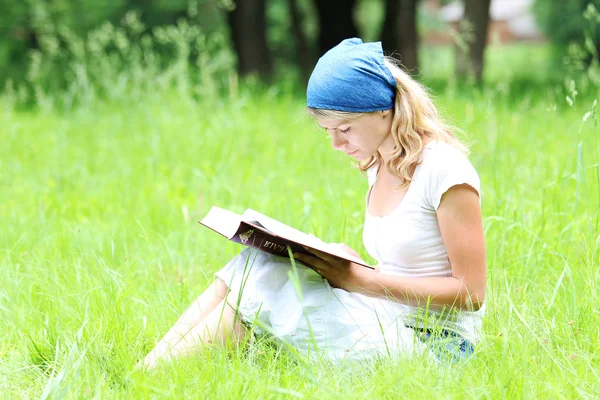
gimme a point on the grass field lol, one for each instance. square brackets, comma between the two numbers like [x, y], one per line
[100, 250]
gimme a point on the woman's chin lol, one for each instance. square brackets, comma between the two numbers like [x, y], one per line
[360, 155]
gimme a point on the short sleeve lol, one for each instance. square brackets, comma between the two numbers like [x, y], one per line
[446, 169]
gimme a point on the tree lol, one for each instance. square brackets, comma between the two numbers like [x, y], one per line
[247, 22]
[473, 39]
[305, 55]
[336, 22]
[399, 33]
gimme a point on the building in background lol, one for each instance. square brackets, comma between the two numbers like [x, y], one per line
[510, 21]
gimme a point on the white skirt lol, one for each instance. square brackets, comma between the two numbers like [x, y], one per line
[299, 308]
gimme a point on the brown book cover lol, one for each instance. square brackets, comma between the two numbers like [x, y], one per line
[267, 234]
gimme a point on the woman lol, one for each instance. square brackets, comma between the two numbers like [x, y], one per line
[423, 224]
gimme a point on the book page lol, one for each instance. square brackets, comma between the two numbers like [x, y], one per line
[287, 232]
[222, 221]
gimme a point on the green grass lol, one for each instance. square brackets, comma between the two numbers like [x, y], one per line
[100, 250]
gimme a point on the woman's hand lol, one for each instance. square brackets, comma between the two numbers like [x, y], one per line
[352, 252]
[340, 273]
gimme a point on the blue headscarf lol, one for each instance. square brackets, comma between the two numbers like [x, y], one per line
[352, 77]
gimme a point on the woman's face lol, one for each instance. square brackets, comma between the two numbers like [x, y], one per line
[363, 137]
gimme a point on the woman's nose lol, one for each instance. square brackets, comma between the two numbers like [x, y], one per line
[338, 142]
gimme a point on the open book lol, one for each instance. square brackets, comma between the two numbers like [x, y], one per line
[257, 230]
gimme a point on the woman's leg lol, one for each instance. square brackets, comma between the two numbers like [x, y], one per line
[221, 326]
[195, 313]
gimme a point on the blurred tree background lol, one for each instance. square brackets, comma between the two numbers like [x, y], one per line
[110, 46]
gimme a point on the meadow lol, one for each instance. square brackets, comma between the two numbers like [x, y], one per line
[100, 249]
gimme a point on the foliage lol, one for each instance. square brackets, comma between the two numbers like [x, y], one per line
[578, 33]
[56, 52]
[574, 26]
[563, 20]
[76, 51]
[125, 60]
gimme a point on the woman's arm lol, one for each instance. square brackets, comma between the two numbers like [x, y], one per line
[461, 226]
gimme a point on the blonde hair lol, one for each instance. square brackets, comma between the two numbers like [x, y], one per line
[414, 118]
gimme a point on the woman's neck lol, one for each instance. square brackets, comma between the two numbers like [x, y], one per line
[387, 148]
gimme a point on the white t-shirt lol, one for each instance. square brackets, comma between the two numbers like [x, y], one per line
[408, 241]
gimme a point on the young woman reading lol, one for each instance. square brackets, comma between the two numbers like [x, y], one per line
[423, 225]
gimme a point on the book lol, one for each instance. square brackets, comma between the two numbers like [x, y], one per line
[256, 230]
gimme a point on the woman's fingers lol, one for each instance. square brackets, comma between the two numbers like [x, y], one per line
[316, 263]
[323, 256]
[331, 260]
[305, 258]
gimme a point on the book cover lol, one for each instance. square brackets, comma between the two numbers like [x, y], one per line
[256, 230]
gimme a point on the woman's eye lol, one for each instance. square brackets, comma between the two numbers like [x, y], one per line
[344, 131]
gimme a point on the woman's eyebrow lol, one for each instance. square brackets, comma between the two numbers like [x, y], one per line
[335, 127]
